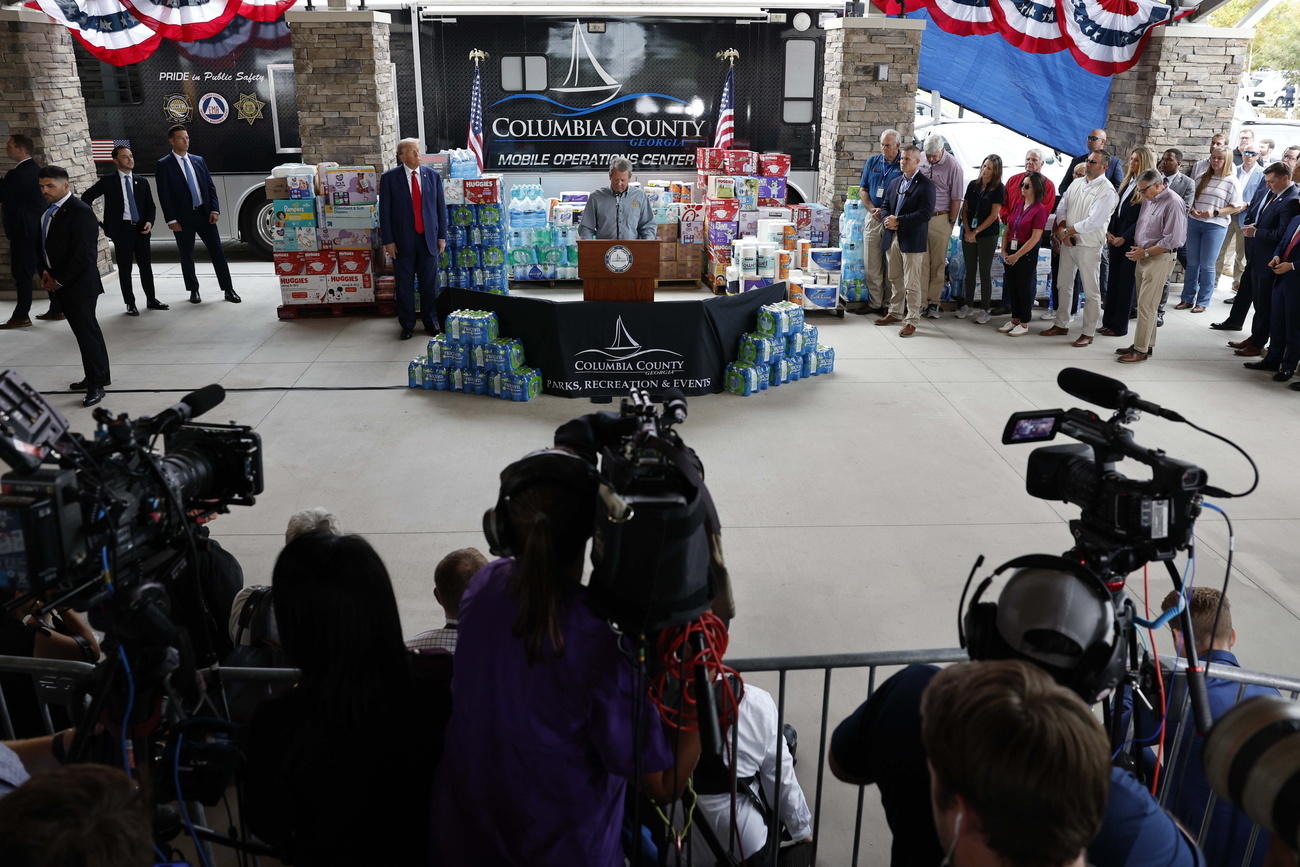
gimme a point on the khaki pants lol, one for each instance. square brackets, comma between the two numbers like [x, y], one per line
[912, 268]
[1232, 255]
[878, 294]
[936, 257]
[1086, 262]
[1150, 276]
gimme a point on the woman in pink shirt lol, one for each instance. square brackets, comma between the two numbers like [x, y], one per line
[1025, 225]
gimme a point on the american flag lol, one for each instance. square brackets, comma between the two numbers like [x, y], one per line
[476, 121]
[101, 149]
[726, 134]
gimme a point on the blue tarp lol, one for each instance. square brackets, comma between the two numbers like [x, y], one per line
[1048, 97]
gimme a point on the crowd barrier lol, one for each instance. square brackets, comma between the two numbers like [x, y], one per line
[64, 682]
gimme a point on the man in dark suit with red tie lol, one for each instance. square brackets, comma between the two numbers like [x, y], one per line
[71, 241]
[905, 215]
[190, 207]
[20, 199]
[414, 232]
[128, 222]
[1284, 340]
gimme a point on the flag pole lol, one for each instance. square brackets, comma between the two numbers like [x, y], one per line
[724, 136]
[474, 141]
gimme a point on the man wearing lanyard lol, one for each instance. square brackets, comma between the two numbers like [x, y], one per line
[948, 182]
[879, 172]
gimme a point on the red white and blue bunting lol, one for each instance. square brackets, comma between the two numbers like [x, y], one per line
[1105, 37]
[121, 32]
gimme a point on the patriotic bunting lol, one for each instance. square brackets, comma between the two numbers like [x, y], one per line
[122, 32]
[1105, 37]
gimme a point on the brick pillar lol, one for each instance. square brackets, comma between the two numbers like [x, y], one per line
[1181, 92]
[40, 95]
[347, 107]
[856, 108]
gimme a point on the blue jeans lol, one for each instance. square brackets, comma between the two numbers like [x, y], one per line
[1203, 243]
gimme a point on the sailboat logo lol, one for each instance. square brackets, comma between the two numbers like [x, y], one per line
[572, 83]
[625, 346]
[586, 78]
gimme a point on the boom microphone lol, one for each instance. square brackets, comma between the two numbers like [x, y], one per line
[1107, 392]
[192, 405]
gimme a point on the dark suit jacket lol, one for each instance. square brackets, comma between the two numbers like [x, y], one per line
[1270, 226]
[913, 212]
[1114, 174]
[110, 187]
[397, 215]
[71, 244]
[20, 196]
[174, 191]
[1123, 221]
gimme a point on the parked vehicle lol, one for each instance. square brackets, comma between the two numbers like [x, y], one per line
[971, 140]
[1267, 88]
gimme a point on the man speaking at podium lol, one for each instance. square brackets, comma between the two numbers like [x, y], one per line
[616, 213]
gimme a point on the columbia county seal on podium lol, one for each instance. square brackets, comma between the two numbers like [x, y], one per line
[618, 259]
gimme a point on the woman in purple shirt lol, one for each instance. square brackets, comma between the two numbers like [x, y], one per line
[551, 714]
[1025, 225]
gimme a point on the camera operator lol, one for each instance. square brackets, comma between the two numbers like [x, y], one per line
[65, 635]
[551, 717]
[340, 768]
[1229, 832]
[1018, 766]
[1057, 620]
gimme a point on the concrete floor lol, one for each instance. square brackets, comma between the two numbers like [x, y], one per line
[854, 504]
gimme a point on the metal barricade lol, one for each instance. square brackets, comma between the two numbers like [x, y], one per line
[781, 667]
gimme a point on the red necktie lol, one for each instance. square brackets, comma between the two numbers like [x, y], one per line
[415, 202]
[1291, 246]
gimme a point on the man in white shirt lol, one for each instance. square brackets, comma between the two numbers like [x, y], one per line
[1079, 225]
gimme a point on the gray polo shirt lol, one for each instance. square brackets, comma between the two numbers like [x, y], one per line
[625, 218]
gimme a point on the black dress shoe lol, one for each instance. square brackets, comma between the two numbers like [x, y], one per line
[50, 316]
[1160, 320]
[1262, 364]
[1283, 375]
[194, 296]
[93, 396]
[1295, 386]
[83, 385]
[158, 305]
[408, 333]
[232, 297]
[1224, 326]
[132, 311]
[432, 331]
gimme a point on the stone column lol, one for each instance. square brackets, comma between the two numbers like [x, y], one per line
[347, 107]
[856, 107]
[1181, 92]
[40, 96]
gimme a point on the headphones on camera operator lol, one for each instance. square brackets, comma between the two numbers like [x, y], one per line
[542, 467]
[1053, 612]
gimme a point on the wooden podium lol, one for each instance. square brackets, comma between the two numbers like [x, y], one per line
[618, 270]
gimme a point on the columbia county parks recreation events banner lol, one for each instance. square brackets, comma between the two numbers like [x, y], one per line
[606, 348]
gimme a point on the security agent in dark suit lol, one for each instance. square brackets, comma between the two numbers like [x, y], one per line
[128, 222]
[190, 207]
[905, 216]
[1263, 223]
[1284, 307]
[71, 241]
[20, 199]
[414, 236]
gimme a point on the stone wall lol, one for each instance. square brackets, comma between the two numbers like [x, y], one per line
[1181, 92]
[40, 96]
[856, 108]
[347, 111]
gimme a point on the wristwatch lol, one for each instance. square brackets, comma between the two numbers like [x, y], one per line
[1214, 211]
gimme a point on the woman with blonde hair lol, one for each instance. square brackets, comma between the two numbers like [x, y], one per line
[1121, 283]
[1217, 198]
